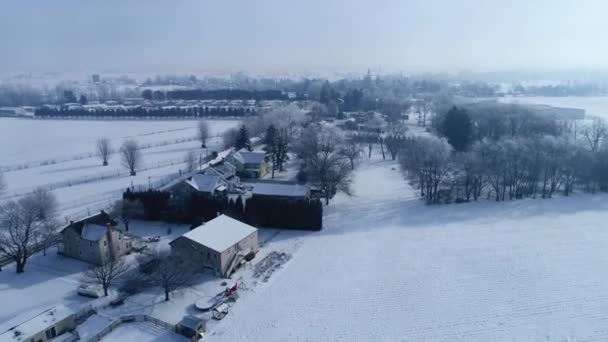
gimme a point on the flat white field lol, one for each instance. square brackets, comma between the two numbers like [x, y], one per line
[60, 154]
[24, 140]
[388, 268]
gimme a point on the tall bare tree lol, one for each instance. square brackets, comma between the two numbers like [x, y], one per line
[26, 224]
[595, 134]
[351, 150]
[131, 155]
[327, 168]
[203, 133]
[106, 274]
[170, 275]
[104, 150]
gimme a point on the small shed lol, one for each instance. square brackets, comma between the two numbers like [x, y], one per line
[191, 326]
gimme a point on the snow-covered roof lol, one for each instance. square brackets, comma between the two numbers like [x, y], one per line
[204, 183]
[250, 157]
[93, 232]
[220, 233]
[278, 189]
[26, 329]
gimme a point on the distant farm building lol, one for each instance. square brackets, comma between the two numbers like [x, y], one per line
[220, 245]
[94, 239]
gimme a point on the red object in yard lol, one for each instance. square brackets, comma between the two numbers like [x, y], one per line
[231, 290]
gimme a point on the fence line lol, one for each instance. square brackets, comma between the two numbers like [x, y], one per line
[130, 319]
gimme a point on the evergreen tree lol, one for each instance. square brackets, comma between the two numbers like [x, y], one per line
[242, 139]
[458, 128]
[83, 99]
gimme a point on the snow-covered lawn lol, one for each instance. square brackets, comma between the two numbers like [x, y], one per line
[142, 332]
[388, 268]
[48, 280]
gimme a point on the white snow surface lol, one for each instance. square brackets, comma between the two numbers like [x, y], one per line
[142, 332]
[220, 233]
[386, 267]
[67, 148]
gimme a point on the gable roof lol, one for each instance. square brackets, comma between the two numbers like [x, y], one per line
[101, 219]
[220, 233]
[204, 183]
[247, 157]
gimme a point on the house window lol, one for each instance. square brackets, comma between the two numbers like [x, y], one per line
[105, 243]
[90, 244]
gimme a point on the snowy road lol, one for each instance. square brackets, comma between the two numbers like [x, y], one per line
[388, 268]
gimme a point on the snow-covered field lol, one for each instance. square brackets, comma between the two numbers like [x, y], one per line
[388, 268]
[594, 106]
[67, 150]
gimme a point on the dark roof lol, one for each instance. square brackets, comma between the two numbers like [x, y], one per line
[102, 218]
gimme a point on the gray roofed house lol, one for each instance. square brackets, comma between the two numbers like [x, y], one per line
[219, 245]
[249, 164]
[94, 239]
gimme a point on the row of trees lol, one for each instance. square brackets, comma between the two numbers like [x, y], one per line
[510, 167]
[143, 112]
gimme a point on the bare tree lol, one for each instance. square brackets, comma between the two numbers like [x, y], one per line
[170, 275]
[351, 150]
[131, 155]
[191, 161]
[327, 168]
[105, 274]
[203, 133]
[104, 150]
[26, 223]
[394, 138]
[595, 134]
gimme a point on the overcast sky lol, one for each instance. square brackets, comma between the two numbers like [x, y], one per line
[284, 35]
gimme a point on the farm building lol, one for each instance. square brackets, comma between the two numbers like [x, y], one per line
[94, 239]
[219, 245]
[43, 327]
[278, 189]
[249, 164]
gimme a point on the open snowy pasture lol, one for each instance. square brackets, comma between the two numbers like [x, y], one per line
[61, 155]
[386, 267]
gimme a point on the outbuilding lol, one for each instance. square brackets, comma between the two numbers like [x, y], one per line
[219, 245]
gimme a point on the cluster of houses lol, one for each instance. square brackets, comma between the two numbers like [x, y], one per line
[219, 246]
[239, 174]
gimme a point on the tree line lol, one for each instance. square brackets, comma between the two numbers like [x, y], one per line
[196, 209]
[504, 154]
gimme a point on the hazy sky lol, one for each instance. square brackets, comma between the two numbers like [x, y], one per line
[281, 35]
